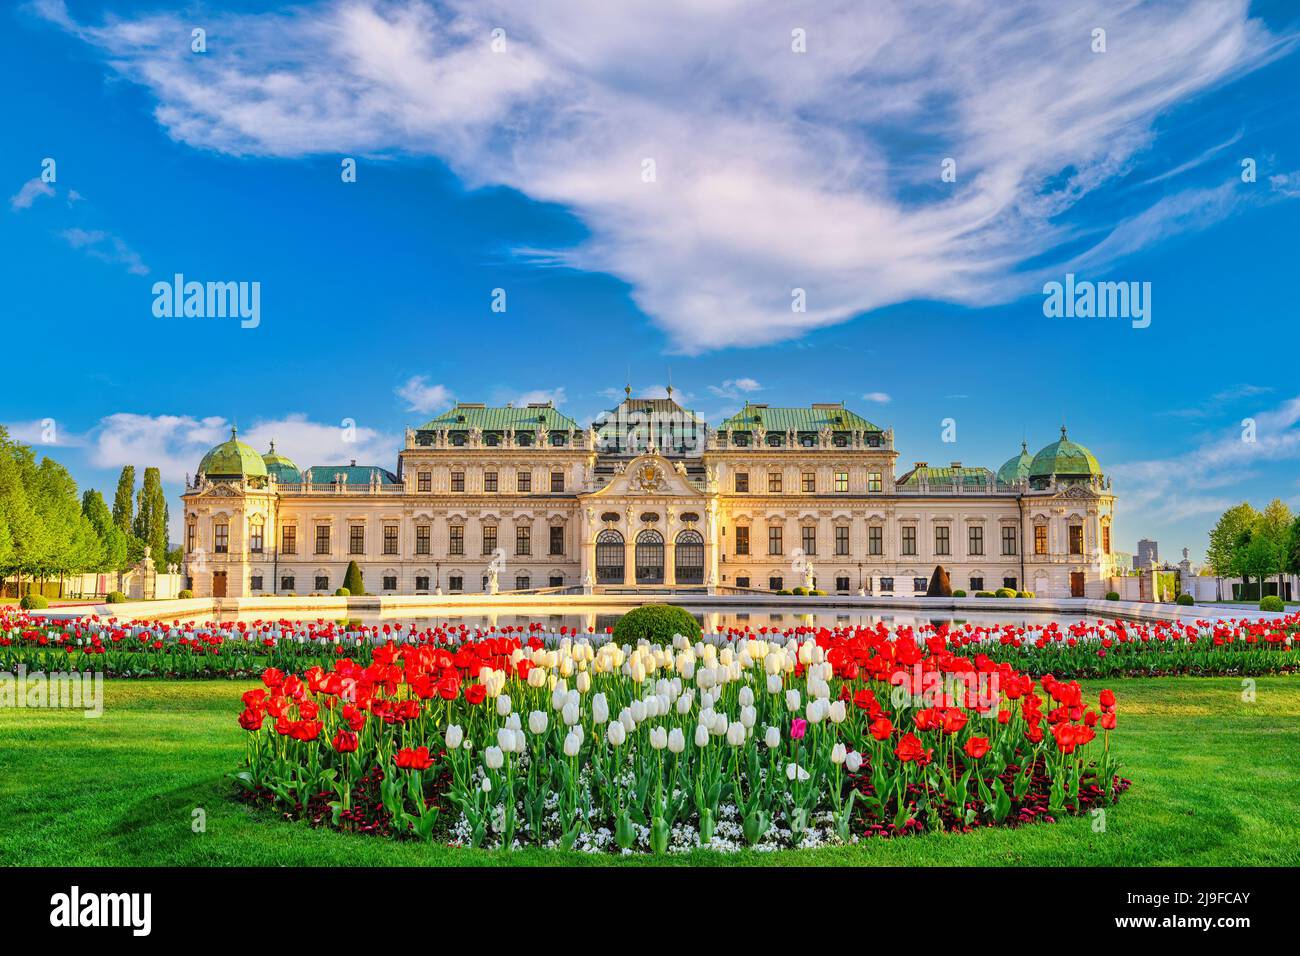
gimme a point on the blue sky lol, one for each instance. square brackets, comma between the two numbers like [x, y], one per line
[523, 168]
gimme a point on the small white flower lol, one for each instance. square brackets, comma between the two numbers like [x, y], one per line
[772, 738]
[792, 700]
[852, 761]
[494, 758]
[503, 705]
[676, 740]
[658, 738]
[537, 721]
[616, 734]
[455, 734]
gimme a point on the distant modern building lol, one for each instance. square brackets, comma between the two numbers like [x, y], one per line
[1148, 555]
[648, 497]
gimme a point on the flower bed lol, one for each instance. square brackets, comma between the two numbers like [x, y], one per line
[1098, 649]
[504, 742]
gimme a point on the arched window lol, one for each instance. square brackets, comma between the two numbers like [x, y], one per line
[650, 558]
[609, 557]
[689, 559]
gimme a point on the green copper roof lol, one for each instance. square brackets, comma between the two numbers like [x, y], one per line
[353, 474]
[530, 418]
[961, 474]
[1014, 469]
[232, 458]
[1063, 457]
[280, 468]
[801, 419]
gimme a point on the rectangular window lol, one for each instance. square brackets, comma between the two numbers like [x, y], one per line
[556, 581]
[524, 481]
[920, 585]
[841, 482]
[390, 583]
[773, 482]
[875, 540]
[421, 583]
[286, 582]
[1076, 539]
[886, 585]
[489, 481]
[842, 539]
[322, 583]
[455, 583]
[424, 481]
[255, 582]
[775, 584]
[976, 584]
[1009, 583]
[909, 539]
[1105, 539]
[774, 540]
[942, 540]
[557, 540]
[841, 584]
[489, 538]
[742, 540]
[1040, 539]
[523, 540]
[255, 538]
[221, 538]
[289, 539]
[809, 480]
[458, 481]
[975, 539]
[742, 582]
[557, 482]
[357, 539]
[390, 539]
[190, 534]
[456, 543]
[875, 482]
[422, 539]
[742, 481]
[521, 582]
[1008, 540]
[808, 540]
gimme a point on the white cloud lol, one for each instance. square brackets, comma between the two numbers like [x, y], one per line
[422, 397]
[538, 395]
[106, 248]
[43, 432]
[733, 387]
[774, 170]
[882, 397]
[31, 191]
[176, 443]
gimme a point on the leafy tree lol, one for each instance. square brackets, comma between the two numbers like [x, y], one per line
[151, 517]
[1224, 550]
[24, 527]
[352, 580]
[123, 515]
[1274, 527]
[1259, 559]
[1293, 548]
[110, 535]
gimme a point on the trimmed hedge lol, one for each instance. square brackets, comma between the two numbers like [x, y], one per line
[656, 623]
[115, 597]
[983, 593]
[1271, 602]
[352, 582]
[33, 602]
[959, 593]
[1004, 593]
[343, 592]
[1186, 600]
[184, 594]
[1112, 595]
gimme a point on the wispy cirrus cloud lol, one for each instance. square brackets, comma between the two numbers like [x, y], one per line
[774, 170]
[31, 190]
[734, 388]
[105, 247]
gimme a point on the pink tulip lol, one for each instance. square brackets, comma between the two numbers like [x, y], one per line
[798, 727]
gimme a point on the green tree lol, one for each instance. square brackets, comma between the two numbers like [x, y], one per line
[151, 517]
[1274, 527]
[1259, 559]
[27, 536]
[71, 544]
[110, 535]
[123, 501]
[1293, 548]
[352, 580]
[1223, 552]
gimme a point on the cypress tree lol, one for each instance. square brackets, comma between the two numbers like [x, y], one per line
[151, 517]
[123, 516]
[352, 580]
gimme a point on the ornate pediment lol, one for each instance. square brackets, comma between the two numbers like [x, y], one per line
[222, 489]
[649, 475]
[1077, 491]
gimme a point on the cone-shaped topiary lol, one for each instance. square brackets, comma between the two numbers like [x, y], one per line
[352, 582]
[940, 583]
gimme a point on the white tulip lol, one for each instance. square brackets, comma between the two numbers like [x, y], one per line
[838, 712]
[746, 697]
[506, 739]
[537, 722]
[572, 744]
[616, 734]
[658, 738]
[792, 700]
[503, 705]
[701, 735]
[748, 717]
[455, 734]
[853, 761]
[599, 709]
[559, 696]
[793, 770]
[838, 753]
[521, 743]
[638, 711]
[736, 733]
[513, 722]
[582, 682]
[570, 714]
[676, 740]
[494, 758]
[486, 785]
[774, 683]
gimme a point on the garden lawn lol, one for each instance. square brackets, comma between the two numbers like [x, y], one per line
[1215, 782]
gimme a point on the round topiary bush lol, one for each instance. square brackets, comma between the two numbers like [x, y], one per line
[1025, 594]
[1271, 602]
[1186, 600]
[184, 594]
[1112, 595]
[33, 602]
[959, 593]
[343, 592]
[1004, 593]
[983, 593]
[816, 593]
[801, 591]
[656, 623]
[784, 591]
[115, 597]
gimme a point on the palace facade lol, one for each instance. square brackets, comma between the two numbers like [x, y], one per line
[648, 498]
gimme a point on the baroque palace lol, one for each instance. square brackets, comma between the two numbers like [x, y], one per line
[648, 497]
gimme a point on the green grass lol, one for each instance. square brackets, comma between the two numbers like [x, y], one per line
[1215, 782]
